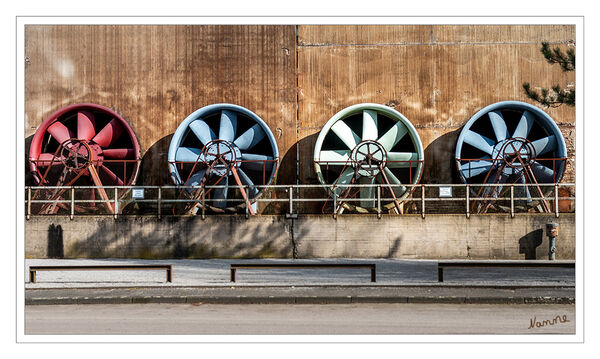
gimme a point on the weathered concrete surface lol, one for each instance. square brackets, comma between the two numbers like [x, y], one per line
[352, 236]
[294, 77]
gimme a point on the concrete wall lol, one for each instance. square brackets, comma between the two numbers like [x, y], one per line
[408, 236]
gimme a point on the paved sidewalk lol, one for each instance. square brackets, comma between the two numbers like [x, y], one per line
[398, 281]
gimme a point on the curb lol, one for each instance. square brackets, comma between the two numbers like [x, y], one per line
[296, 300]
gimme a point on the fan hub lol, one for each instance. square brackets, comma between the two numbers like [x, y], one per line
[79, 154]
[516, 153]
[222, 156]
[369, 157]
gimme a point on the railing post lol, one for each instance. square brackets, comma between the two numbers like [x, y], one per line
[247, 201]
[28, 202]
[512, 201]
[159, 200]
[116, 206]
[378, 201]
[291, 200]
[72, 203]
[334, 205]
[556, 199]
[422, 201]
[468, 193]
[170, 274]
[203, 216]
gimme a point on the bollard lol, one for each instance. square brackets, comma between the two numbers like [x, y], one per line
[552, 233]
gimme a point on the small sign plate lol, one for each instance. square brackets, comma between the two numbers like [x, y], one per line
[445, 192]
[137, 193]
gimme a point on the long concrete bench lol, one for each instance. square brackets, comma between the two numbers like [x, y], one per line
[236, 266]
[167, 267]
[501, 264]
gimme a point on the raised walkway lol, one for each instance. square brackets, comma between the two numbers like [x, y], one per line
[207, 281]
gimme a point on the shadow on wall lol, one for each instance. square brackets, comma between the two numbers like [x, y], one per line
[440, 165]
[288, 175]
[529, 243]
[192, 238]
[181, 238]
[55, 247]
[154, 168]
[29, 181]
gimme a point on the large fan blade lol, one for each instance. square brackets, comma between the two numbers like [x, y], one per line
[228, 125]
[109, 177]
[119, 153]
[367, 194]
[252, 190]
[523, 191]
[220, 193]
[499, 125]
[344, 179]
[257, 162]
[393, 136]
[204, 133]
[542, 173]
[401, 159]
[250, 138]
[393, 180]
[345, 133]
[196, 178]
[369, 125]
[187, 154]
[46, 159]
[85, 125]
[474, 168]
[479, 141]
[497, 177]
[524, 125]
[109, 134]
[337, 157]
[60, 132]
[544, 145]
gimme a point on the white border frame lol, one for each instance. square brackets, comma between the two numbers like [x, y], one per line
[296, 20]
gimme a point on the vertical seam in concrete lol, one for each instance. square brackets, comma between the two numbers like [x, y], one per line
[297, 114]
[294, 248]
[431, 38]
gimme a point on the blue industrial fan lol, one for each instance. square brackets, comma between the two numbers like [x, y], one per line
[507, 143]
[228, 147]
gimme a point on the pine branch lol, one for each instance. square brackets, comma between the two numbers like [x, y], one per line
[556, 56]
[556, 96]
[553, 98]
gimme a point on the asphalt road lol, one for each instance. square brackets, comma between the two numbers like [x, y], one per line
[300, 319]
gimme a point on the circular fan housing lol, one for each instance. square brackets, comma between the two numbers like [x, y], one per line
[368, 144]
[510, 142]
[223, 145]
[82, 135]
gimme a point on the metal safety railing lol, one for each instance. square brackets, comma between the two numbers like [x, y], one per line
[424, 197]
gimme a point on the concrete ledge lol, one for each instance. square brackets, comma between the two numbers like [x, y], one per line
[306, 295]
[299, 300]
[311, 236]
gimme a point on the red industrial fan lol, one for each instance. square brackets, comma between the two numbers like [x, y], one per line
[83, 145]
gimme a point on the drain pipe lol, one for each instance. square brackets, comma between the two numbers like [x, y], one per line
[552, 233]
